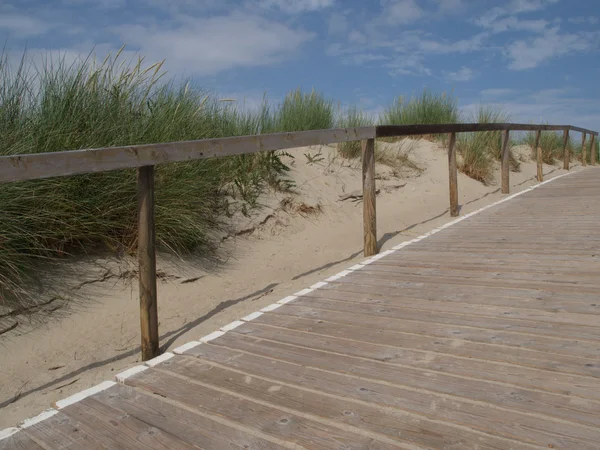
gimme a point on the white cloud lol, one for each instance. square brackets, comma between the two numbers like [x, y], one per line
[296, 6]
[400, 11]
[528, 54]
[338, 24]
[512, 23]
[525, 6]
[474, 43]
[409, 64]
[22, 26]
[561, 106]
[450, 6]
[499, 19]
[208, 46]
[497, 92]
[463, 74]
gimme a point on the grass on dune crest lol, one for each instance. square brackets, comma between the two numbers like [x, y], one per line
[479, 151]
[56, 106]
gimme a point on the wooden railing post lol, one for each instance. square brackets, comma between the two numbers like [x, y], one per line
[147, 263]
[583, 151]
[593, 150]
[505, 162]
[538, 151]
[566, 149]
[452, 175]
[369, 197]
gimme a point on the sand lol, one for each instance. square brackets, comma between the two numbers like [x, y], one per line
[291, 243]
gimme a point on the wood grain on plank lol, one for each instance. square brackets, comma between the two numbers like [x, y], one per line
[19, 441]
[512, 338]
[121, 429]
[46, 165]
[392, 423]
[583, 386]
[556, 405]
[184, 423]
[541, 430]
[286, 426]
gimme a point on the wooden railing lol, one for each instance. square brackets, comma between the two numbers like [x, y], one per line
[145, 157]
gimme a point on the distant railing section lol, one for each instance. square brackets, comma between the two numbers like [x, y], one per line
[145, 157]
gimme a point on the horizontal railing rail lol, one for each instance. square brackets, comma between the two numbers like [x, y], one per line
[73, 162]
[15, 168]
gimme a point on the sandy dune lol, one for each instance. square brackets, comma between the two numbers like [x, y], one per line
[293, 242]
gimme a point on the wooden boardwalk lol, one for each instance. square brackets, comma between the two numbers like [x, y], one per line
[485, 335]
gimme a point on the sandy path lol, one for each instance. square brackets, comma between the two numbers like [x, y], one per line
[293, 249]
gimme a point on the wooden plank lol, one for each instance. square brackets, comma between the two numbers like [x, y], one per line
[415, 297]
[120, 429]
[184, 423]
[566, 150]
[556, 328]
[284, 425]
[414, 130]
[538, 151]
[19, 441]
[532, 299]
[369, 197]
[540, 430]
[432, 364]
[393, 423]
[436, 345]
[505, 163]
[388, 271]
[46, 165]
[593, 150]
[400, 280]
[580, 332]
[524, 400]
[583, 150]
[453, 175]
[540, 343]
[147, 263]
[483, 310]
[63, 432]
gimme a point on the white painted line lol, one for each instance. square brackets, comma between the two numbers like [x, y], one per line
[303, 292]
[7, 432]
[185, 347]
[271, 307]
[232, 326]
[354, 267]
[83, 394]
[211, 336]
[342, 274]
[254, 315]
[121, 377]
[318, 285]
[159, 359]
[288, 299]
[37, 419]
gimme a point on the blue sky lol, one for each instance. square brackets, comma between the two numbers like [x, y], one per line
[537, 58]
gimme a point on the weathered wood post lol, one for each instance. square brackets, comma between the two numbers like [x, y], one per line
[566, 149]
[505, 162]
[583, 150]
[452, 175]
[538, 150]
[369, 197]
[593, 150]
[147, 263]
